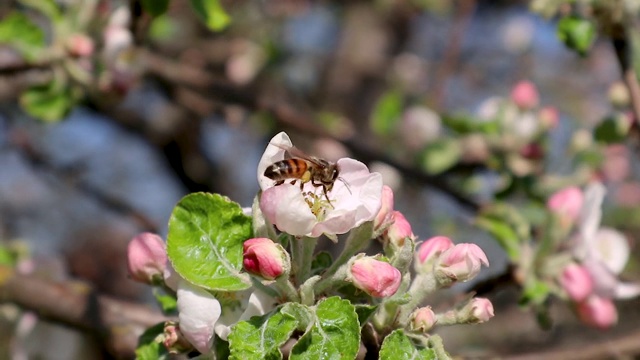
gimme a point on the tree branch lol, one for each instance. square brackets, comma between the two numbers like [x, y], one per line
[76, 304]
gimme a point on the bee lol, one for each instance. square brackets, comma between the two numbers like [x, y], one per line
[304, 168]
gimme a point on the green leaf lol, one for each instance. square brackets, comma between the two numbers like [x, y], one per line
[576, 33]
[155, 7]
[211, 13]
[48, 103]
[19, 32]
[507, 225]
[204, 243]
[150, 345]
[261, 337]
[503, 233]
[320, 262]
[303, 314]
[398, 346]
[440, 155]
[612, 130]
[467, 124]
[535, 292]
[48, 8]
[335, 333]
[168, 303]
[387, 113]
[365, 311]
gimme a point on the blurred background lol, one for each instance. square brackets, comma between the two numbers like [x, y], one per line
[156, 107]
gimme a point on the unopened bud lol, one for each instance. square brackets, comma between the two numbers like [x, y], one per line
[549, 117]
[478, 310]
[80, 45]
[146, 258]
[461, 262]
[376, 278]
[423, 319]
[598, 312]
[576, 282]
[430, 250]
[174, 341]
[399, 230]
[263, 257]
[566, 204]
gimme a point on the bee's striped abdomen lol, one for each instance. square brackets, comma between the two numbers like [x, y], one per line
[286, 169]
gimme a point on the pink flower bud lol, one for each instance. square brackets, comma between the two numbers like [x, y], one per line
[386, 210]
[376, 278]
[549, 117]
[532, 151]
[481, 310]
[265, 258]
[174, 341]
[525, 95]
[146, 258]
[430, 250]
[80, 45]
[598, 312]
[567, 203]
[399, 230]
[461, 262]
[577, 282]
[423, 319]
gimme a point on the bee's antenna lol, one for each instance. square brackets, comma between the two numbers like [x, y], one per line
[345, 184]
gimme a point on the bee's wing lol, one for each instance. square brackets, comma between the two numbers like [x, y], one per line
[294, 152]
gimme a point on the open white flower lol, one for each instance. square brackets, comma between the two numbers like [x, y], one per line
[603, 251]
[355, 198]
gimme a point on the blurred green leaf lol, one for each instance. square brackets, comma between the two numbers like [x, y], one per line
[466, 124]
[507, 225]
[150, 345]
[440, 155]
[320, 262]
[535, 292]
[612, 130]
[48, 8]
[155, 7]
[211, 13]
[168, 303]
[19, 32]
[49, 103]
[387, 113]
[576, 33]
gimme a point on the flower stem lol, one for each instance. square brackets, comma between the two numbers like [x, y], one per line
[423, 285]
[302, 254]
[285, 287]
[358, 239]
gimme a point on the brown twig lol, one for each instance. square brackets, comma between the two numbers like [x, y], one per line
[77, 305]
[624, 55]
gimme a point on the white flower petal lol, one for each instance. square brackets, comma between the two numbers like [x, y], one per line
[285, 207]
[272, 154]
[591, 212]
[611, 248]
[198, 313]
[626, 290]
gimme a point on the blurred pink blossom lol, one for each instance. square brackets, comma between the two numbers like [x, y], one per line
[525, 95]
[576, 281]
[598, 312]
[146, 257]
[567, 204]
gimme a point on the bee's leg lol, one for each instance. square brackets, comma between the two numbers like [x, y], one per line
[324, 189]
[279, 182]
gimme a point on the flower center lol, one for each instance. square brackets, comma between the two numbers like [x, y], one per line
[318, 204]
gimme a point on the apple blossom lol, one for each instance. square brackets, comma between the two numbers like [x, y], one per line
[376, 278]
[423, 319]
[598, 311]
[354, 199]
[80, 45]
[429, 250]
[576, 282]
[567, 204]
[146, 257]
[263, 257]
[461, 262]
[525, 95]
[602, 251]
